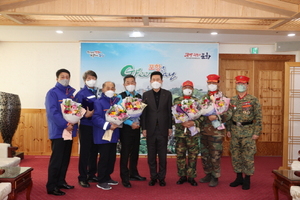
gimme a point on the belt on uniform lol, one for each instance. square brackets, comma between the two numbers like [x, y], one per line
[242, 123]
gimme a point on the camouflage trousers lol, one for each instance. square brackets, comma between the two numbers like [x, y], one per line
[211, 152]
[190, 146]
[242, 154]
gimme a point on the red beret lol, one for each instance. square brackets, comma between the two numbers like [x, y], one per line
[187, 83]
[213, 78]
[242, 79]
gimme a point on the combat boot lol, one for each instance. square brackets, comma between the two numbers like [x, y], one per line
[213, 182]
[246, 184]
[205, 179]
[238, 181]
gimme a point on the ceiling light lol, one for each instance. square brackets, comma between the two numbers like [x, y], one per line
[136, 34]
[214, 33]
[59, 32]
[291, 34]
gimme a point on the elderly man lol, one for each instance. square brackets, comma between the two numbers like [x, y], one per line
[186, 142]
[244, 130]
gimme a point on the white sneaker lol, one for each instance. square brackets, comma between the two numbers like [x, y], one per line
[112, 182]
[103, 186]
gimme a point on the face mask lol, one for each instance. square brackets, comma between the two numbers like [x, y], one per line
[64, 82]
[109, 93]
[187, 92]
[155, 85]
[91, 83]
[212, 87]
[241, 88]
[130, 88]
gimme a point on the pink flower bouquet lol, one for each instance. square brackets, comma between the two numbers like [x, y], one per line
[72, 113]
[116, 114]
[215, 105]
[134, 106]
[186, 111]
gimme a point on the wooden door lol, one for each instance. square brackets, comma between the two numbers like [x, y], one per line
[266, 74]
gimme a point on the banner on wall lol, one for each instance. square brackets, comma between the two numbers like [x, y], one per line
[177, 62]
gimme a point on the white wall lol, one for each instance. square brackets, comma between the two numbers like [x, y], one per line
[28, 68]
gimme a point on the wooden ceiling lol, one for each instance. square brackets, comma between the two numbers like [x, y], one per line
[259, 15]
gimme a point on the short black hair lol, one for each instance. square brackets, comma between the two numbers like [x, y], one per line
[156, 73]
[61, 71]
[128, 76]
[89, 72]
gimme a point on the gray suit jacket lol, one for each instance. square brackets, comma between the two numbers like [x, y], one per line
[151, 114]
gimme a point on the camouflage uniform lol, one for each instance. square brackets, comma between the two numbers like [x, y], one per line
[185, 143]
[242, 146]
[211, 146]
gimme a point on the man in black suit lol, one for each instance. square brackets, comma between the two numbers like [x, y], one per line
[157, 126]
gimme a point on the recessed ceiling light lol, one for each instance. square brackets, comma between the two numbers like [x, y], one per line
[59, 32]
[136, 34]
[214, 33]
[291, 34]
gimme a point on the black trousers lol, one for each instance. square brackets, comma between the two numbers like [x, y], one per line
[88, 154]
[130, 145]
[59, 162]
[107, 161]
[157, 145]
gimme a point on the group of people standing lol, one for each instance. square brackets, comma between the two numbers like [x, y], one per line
[242, 120]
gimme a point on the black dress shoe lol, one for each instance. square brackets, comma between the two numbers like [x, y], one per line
[126, 184]
[84, 184]
[137, 178]
[182, 180]
[56, 192]
[66, 186]
[162, 182]
[152, 182]
[192, 181]
[93, 180]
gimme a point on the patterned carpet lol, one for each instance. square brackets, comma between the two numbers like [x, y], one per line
[261, 183]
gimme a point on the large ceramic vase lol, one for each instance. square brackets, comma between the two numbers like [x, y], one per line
[10, 109]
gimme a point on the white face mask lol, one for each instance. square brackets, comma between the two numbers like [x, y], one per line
[130, 88]
[64, 82]
[109, 93]
[212, 87]
[187, 92]
[155, 85]
[91, 83]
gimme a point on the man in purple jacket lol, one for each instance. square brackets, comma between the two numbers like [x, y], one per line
[106, 149]
[61, 149]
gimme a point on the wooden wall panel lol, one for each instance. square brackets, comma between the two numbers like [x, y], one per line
[31, 136]
[266, 74]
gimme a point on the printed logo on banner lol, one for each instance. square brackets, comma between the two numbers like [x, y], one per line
[95, 53]
[130, 70]
[197, 55]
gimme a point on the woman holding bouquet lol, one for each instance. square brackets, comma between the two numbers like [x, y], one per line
[211, 137]
[186, 141]
[61, 149]
[88, 154]
[106, 149]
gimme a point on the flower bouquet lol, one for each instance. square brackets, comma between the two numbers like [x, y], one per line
[186, 111]
[134, 106]
[215, 105]
[116, 114]
[72, 113]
